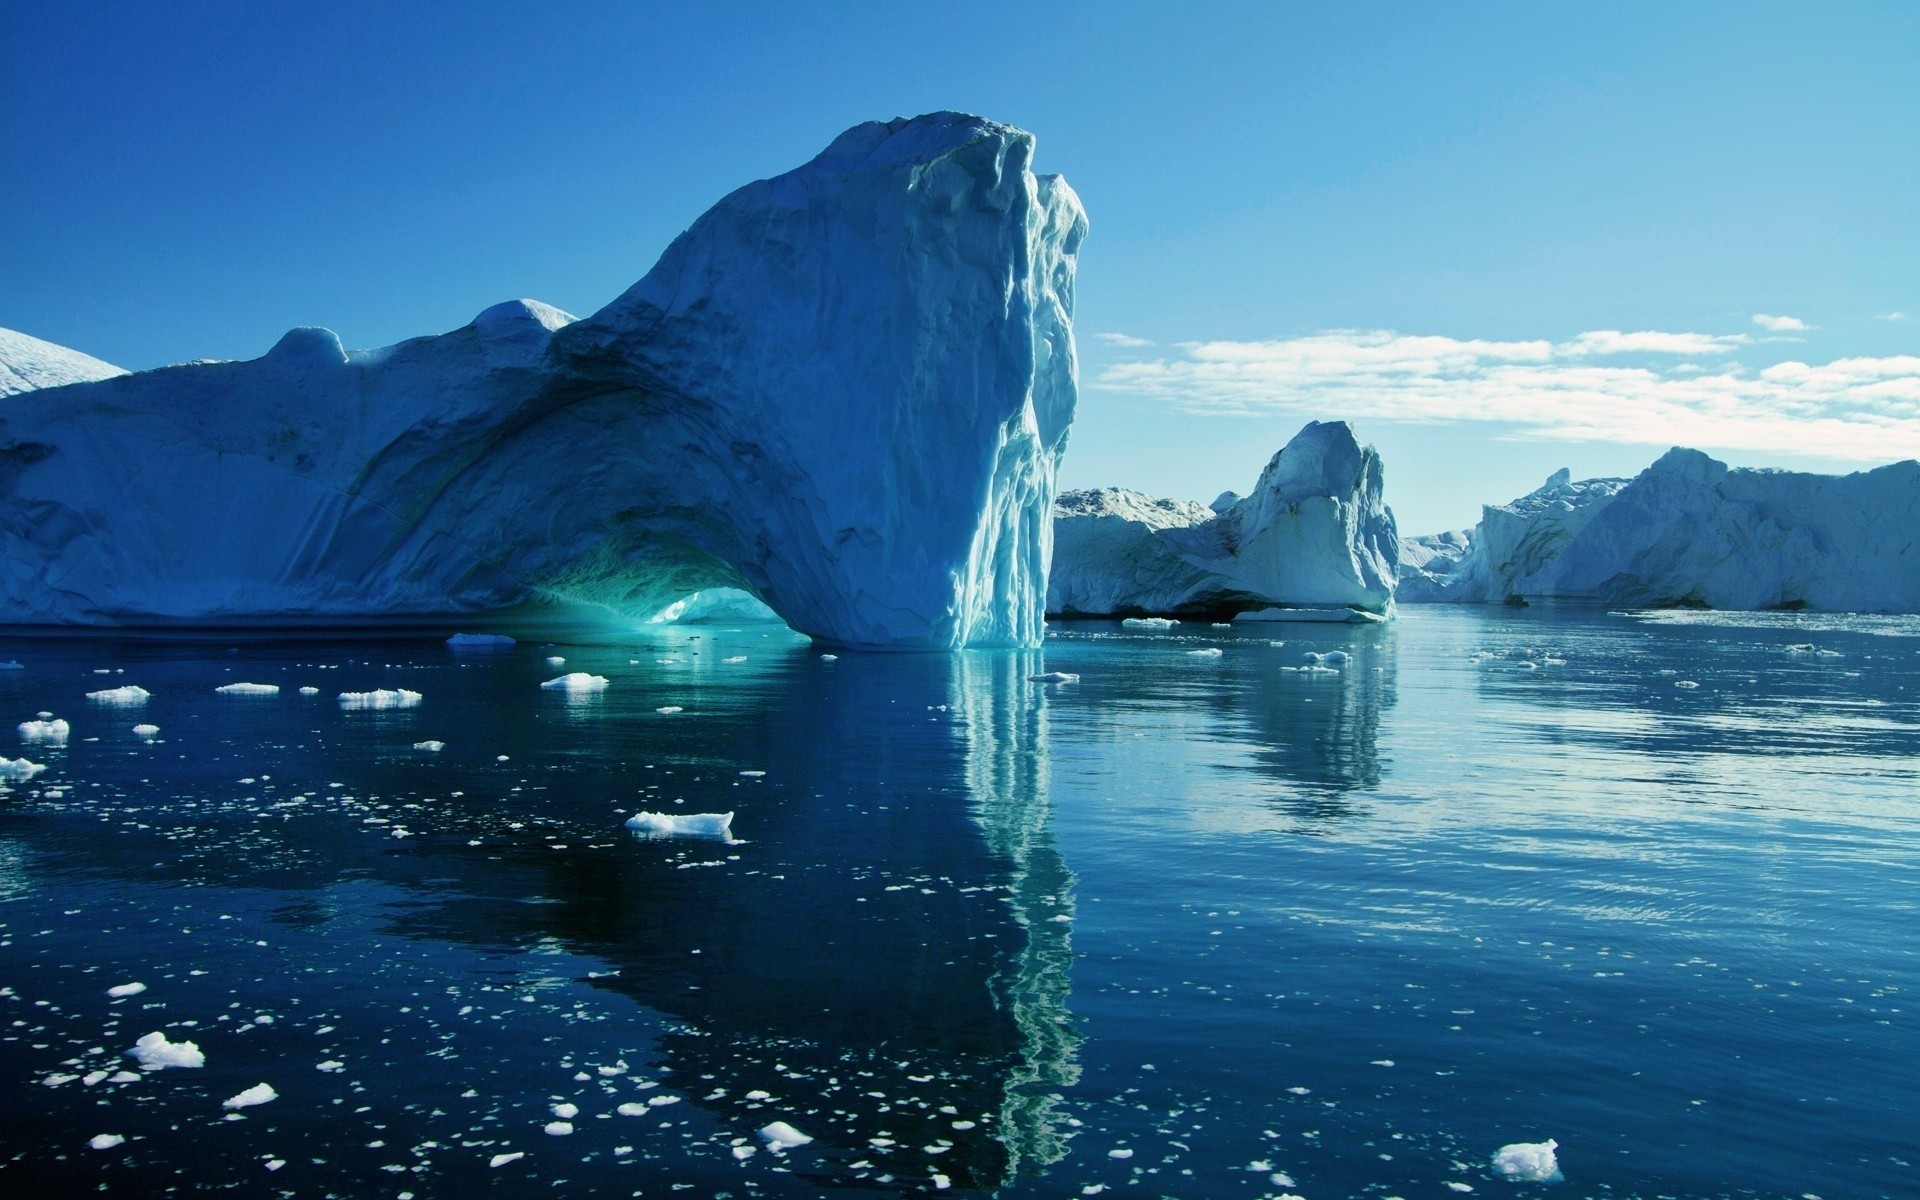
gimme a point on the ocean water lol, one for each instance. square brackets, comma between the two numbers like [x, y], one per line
[1192, 926]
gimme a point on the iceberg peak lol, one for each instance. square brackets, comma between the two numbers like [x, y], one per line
[309, 345]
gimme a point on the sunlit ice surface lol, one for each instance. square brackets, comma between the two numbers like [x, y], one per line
[1642, 885]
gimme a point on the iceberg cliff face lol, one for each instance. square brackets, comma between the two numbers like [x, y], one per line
[1690, 531]
[844, 390]
[1314, 533]
[27, 364]
[1513, 541]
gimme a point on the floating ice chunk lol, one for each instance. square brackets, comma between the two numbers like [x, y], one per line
[1209, 652]
[578, 681]
[1148, 623]
[554, 660]
[154, 1051]
[781, 1136]
[106, 1141]
[380, 698]
[52, 732]
[669, 708]
[1685, 683]
[754, 774]
[1529, 1162]
[19, 768]
[558, 1128]
[248, 689]
[127, 989]
[11, 665]
[1054, 677]
[652, 824]
[309, 691]
[259, 1093]
[332, 1066]
[630, 1109]
[738, 658]
[431, 746]
[501, 1160]
[829, 658]
[146, 731]
[124, 697]
[479, 641]
[566, 1112]
[1336, 658]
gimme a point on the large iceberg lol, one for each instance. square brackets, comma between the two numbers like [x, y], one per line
[844, 390]
[1689, 530]
[1512, 541]
[1314, 534]
[28, 364]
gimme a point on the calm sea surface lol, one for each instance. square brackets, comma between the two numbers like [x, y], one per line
[1193, 926]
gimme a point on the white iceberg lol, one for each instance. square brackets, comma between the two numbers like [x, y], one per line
[28, 364]
[1528, 1162]
[380, 698]
[52, 731]
[154, 1052]
[704, 825]
[146, 731]
[128, 696]
[431, 746]
[248, 689]
[126, 989]
[106, 1141]
[781, 1136]
[259, 1093]
[1315, 534]
[19, 768]
[577, 681]
[849, 387]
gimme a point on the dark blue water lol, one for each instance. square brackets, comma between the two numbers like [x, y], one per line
[1193, 926]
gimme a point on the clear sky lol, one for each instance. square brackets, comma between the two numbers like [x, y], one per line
[1500, 238]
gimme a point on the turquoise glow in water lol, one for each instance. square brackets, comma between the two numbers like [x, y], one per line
[1192, 926]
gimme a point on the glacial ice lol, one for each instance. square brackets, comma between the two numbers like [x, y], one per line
[28, 364]
[146, 731]
[1528, 1162]
[106, 1141]
[53, 732]
[715, 606]
[577, 681]
[781, 1136]
[19, 768]
[844, 390]
[1691, 531]
[154, 1052]
[380, 698]
[1314, 534]
[126, 989]
[249, 689]
[121, 697]
[708, 825]
[259, 1093]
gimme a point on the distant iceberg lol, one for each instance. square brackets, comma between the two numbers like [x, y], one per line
[1689, 531]
[844, 390]
[1314, 534]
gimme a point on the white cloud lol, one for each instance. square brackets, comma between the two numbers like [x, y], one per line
[1780, 324]
[1892, 316]
[1122, 339]
[1865, 409]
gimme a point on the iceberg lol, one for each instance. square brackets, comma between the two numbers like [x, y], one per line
[1315, 534]
[659, 825]
[1691, 531]
[844, 390]
[28, 364]
[1528, 1162]
[379, 698]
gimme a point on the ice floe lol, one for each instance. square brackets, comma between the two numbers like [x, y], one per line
[1528, 1162]
[154, 1052]
[259, 1093]
[380, 698]
[19, 768]
[54, 731]
[781, 1136]
[124, 697]
[248, 689]
[577, 681]
[711, 825]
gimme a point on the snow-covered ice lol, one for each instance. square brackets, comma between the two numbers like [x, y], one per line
[28, 364]
[154, 1052]
[45, 728]
[126, 696]
[1529, 1162]
[431, 746]
[106, 1141]
[146, 731]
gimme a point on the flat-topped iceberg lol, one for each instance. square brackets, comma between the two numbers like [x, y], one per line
[843, 390]
[1691, 531]
[1315, 533]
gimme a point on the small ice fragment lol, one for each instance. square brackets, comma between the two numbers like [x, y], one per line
[656, 825]
[781, 1136]
[154, 1052]
[309, 691]
[829, 658]
[146, 731]
[738, 658]
[332, 1066]
[940, 1182]
[558, 1128]
[1209, 652]
[19, 768]
[274, 1164]
[501, 1160]
[1382, 1062]
[127, 989]
[1054, 677]
[42, 730]
[566, 1112]
[1685, 683]
[467, 641]
[380, 698]
[554, 660]
[1122, 1152]
[1337, 657]
[669, 708]
[753, 774]
[106, 1141]
[259, 1093]
[578, 681]
[631, 1109]
[431, 746]
[1148, 623]
[124, 697]
[248, 689]
[1529, 1162]
[11, 665]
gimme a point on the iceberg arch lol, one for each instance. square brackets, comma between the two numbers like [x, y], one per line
[844, 390]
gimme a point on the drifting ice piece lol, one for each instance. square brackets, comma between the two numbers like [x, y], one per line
[380, 698]
[577, 681]
[1528, 1162]
[711, 825]
[1315, 534]
[844, 390]
[122, 697]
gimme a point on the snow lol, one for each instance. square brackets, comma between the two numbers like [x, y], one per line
[577, 681]
[127, 989]
[1315, 533]
[19, 768]
[53, 732]
[28, 364]
[1689, 530]
[123, 697]
[479, 641]
[653, 824]
[380, 698]
[248, 689]
[781, 1136]
[259, 1093]
[852, 383]
[154, 1052]
[1530, 1162]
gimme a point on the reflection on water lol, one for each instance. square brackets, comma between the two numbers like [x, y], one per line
[1642, 885]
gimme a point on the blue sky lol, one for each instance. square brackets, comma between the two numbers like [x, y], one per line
[1407, 215]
